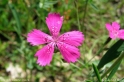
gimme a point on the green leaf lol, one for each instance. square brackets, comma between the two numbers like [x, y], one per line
[97, 73]
[122, 80]
[112, 53]
[88, 81]
[15, 14]
[48, 4]
[114, 70]
[93, 6]
[30, 64]
[113, 65]
[91, 3]
[107, 41]
[75, 66]
[102, 48]
[121, 48]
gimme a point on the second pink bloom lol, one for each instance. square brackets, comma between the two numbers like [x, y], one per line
[115, 31]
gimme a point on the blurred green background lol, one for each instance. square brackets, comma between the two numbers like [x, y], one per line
[18, 17]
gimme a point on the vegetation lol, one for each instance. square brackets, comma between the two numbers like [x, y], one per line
[101, 58]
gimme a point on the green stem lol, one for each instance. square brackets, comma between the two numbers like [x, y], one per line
[85, 11]
[31, 75]
[76, 5]
[97, 73]
[116, 62]
[84, 29]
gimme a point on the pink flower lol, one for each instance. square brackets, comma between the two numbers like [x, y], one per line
[115, 31]
[67, 43]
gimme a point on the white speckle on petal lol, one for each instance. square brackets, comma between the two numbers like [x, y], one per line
[53, 30]
[58, 22]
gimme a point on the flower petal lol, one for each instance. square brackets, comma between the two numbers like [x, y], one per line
[54, 22]
[37, 37]
[121, 34]
[109, 27]
[113, 30]
[74, 38]
[45, 54]
[112, 35]
[115, 26]
[70, 53]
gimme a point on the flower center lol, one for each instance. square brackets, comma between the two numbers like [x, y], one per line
[55, 39]
[115, 32]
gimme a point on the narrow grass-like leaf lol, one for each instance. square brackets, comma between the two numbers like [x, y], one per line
[113, 65]
[121, 48]
[48, 4]
[97, 73]
[102, 47]
[91, 3]
[112, 53]
[122, 80]
[88, 81]
[75, 66]
[114, 70]
[5, 35]
[107, 41]
[15, 14]
[93, 6]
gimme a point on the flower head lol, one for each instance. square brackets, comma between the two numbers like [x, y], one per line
[67, 43]
[115, 31]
